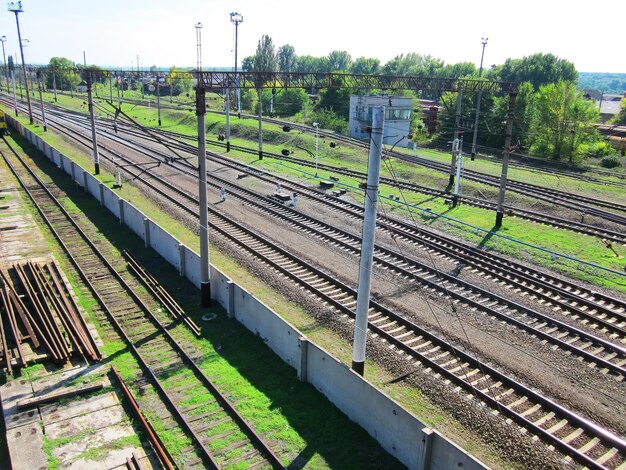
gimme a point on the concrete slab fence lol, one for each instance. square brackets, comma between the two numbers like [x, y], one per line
[398, 431]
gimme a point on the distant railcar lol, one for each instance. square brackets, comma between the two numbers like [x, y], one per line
[3, 123]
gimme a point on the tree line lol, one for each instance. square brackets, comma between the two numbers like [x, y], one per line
[552, 119]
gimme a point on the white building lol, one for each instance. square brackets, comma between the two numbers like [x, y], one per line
[397, 117]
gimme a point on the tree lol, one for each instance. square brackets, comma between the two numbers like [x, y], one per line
[63, 68]
[287, 101]
[247, 64]
[339, 60]
[287, 58]
[311, 64]
[180, 83]
[365, 65]
[620, 118]
[563, 123]
[412, 64]
[336, 100]
[265, 59]
[538, 69]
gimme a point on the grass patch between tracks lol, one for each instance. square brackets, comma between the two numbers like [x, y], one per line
[311, 431]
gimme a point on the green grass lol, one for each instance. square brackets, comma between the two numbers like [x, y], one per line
[411, 398]
[266, 390]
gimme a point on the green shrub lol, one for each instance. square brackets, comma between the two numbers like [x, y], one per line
[612, 161]
[597, 149]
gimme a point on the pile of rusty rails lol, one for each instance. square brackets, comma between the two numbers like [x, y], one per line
[39, 318]
[165, 299]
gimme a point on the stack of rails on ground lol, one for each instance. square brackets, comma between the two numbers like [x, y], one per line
[109, 362]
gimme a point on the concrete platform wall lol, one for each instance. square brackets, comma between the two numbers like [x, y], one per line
[398, 431]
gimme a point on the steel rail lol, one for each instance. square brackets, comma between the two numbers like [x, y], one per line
[224, 402]
[601, 434]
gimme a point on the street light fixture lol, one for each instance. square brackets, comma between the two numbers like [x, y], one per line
[236, 19]
[198, 27]
[16, 7]
[484, 43]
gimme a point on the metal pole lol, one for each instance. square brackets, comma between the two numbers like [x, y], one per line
[94, 139]
[19, 37]
[368, 238]
[505, 158]
[457, 124]
[71, 85]
[54, 85]
[111, 87]
[14, 95]
[43, 112]
[20, 79]
[227, 114]
[459, 162]
[237, 90]
[158, 90]
[260, 91]
[478, 99]
[317, 141]
[205, 280]
[171, 88]
[6, 65]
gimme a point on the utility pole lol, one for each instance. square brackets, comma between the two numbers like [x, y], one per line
[368, 238]
[478, 100]
[237, 19]
[43, 112]
[13, 83]
[205, 280]
[111, 87]
[457, 147]
[227, 114]
[260, 92]
[54, 85]
[457, 125]
[84, 60]
[92, 117]
[505, 158]
[158, 91]
[3, 39]
[317, 141]
[198, 27]
[16, 7]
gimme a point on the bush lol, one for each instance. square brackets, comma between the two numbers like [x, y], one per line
[596, 149]
[329, 120]
[612, 161]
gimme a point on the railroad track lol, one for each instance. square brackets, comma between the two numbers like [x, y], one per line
[221, 436]
[512, 185]
[575, 436]
[526, 214]
[608, 355]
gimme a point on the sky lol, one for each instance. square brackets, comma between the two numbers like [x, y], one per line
[162, 33]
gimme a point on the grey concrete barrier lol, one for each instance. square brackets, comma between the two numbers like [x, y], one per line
[398, 431]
